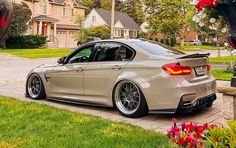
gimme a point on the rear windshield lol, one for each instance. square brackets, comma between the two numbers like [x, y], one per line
[157, 48]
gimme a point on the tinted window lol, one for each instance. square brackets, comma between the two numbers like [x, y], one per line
[156, 49]
[82, 55]
[113, 52]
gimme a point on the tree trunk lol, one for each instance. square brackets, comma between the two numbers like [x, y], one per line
[182, 43]
[218, 50]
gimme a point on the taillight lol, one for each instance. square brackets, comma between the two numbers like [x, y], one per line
[176, 69]
[208, 67]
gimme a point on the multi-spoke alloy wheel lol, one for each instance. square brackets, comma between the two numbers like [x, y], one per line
[129, 99]
[35, 87]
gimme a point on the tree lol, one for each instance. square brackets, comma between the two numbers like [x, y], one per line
[169, 17]
[82, 34]
[20, 20]
[134, 8]
[103, 4]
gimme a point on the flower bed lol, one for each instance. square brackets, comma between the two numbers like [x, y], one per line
[194, 135]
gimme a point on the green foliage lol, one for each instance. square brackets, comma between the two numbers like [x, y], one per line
[102, 32]
[142, 34]
[81, 35]
[84, 34]
[222, 137]
[162, 41]
[28, 125]
[20, 20]
[223, 60]
[173, 42]
[221, 74]
[166, 16]
[102, 4]
[134, 8]
[29, 41]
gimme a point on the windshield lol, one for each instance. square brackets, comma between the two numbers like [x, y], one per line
[157, 48]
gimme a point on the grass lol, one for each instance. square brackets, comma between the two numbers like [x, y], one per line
[221, 74]
[223, 60]
[37, 53]
[26, 124]
[196, 47]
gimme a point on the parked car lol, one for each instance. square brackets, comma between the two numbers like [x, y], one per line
[134, 76]
[194, 42]
[90, 39]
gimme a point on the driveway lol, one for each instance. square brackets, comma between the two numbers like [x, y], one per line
[13, 71]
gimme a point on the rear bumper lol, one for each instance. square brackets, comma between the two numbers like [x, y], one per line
[198, 104]
[187, 107]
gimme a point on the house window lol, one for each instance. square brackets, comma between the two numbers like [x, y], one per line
[122, 33]
[68, 11]
[117, 33]
[94, 18]
[135, 33]
[42, 7]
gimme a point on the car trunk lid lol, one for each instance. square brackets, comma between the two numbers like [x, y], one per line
[199, 65]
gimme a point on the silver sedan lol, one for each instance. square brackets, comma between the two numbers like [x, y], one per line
[135, 76]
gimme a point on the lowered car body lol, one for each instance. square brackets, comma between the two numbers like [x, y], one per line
[134, 76]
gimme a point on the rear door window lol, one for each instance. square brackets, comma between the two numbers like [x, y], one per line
[113, 52]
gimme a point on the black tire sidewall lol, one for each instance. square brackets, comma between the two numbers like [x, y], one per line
[42, 94]
[142, 109]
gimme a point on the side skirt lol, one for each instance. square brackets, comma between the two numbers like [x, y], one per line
[78, 102]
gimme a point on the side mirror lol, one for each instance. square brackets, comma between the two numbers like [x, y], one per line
[61, 60]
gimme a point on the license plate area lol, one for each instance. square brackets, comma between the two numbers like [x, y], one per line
[199, 71]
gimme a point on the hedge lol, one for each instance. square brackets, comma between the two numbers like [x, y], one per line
[26, 42]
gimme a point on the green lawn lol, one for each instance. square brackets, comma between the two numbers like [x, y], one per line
[223, 60]
[195, 47]
[37, 53]
[220, 74]
[25, 124]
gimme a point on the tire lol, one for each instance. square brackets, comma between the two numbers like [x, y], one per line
[35, 88]
[129, 100]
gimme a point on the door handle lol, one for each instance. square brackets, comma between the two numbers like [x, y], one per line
[79, 69]
[117, 67]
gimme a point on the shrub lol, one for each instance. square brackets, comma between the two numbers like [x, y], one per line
[26, 42]
[162, 41]
[209, 43]
[173, 42]
[194, 135]
[156, 39]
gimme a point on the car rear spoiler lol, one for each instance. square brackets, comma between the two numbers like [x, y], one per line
[196, 55]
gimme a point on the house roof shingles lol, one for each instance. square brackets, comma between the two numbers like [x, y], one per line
[45, 18]
[124, 18]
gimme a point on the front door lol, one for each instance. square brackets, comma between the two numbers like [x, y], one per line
[100, 75]
[67, 80]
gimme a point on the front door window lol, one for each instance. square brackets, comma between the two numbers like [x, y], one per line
[82, 55]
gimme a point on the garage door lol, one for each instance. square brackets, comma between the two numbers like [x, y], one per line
[61, 36]
[71, 42]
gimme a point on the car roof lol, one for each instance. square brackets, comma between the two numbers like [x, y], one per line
[125, 41]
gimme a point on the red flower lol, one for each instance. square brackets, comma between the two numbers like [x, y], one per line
[181, 141]
[190, 127]
[205, 125]
[201, 145]
[206, 3]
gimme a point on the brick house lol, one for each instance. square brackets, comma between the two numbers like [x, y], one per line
[55, 19]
